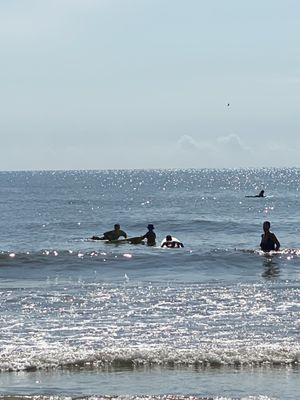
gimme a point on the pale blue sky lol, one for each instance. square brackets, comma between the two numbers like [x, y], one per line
[145, 83]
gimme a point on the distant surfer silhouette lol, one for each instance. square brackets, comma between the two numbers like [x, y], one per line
[269, 241]
[260, 194]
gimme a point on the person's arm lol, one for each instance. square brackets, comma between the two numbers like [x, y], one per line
[164, 244]
[261, 241]
[276, 241]
[124, 234]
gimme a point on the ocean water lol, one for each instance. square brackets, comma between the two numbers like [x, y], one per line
[216, 319]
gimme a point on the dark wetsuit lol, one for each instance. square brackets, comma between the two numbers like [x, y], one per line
[114, 235]
[268, 243]
[111, 235]
[150, 236]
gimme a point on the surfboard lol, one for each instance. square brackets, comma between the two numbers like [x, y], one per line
[132, 240]
[95, 238]
[135, 240]
[257, 197]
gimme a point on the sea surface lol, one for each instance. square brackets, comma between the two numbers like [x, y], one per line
[216, 319]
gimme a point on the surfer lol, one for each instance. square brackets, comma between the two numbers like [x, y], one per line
[260, 194]
[112, 235]
[268, 240]
[171, 243]
[150, 236]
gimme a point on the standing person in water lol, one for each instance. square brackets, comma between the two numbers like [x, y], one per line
[268, 240]
[150, 236]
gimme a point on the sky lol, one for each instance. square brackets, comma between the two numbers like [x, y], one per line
[109, 84]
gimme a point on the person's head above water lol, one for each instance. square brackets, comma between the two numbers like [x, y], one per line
[150, 227]
[168, 238]
[266, 226]
[261, 193]
[117, 226]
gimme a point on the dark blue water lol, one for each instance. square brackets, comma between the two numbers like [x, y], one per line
[76, 314]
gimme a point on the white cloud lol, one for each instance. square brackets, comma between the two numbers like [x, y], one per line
[224, 151]
[186, 142]
[231, 151]
[233, 142]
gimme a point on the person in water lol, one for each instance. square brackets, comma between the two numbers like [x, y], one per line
[112, 235]
[268, 240]
[150, 236]
[169, 242]
[261, 194]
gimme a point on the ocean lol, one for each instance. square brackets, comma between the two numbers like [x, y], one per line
[217, 319]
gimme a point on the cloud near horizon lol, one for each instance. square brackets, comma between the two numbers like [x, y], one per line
[231, 151]
[221, 151]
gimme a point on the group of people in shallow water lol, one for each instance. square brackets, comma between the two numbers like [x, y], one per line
[269, 241]
[150, 236]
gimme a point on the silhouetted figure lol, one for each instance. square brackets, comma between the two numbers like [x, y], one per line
[150, 236]
[260, 194]
[269, 241]
[112, 235]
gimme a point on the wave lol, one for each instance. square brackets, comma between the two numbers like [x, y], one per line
[68, 359]
[283, 252]
[60, 256]
[47, 256]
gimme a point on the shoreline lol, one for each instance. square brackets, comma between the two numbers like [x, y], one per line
[154, 384]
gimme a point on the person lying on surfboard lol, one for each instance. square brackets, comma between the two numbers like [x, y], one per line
[171, 243]
[112, 235]
[268, 240]
[260, 194]
[150, 236]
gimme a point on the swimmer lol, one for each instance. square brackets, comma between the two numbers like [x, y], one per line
[268, 240]
[170, 243]
[150, 236]
[112, 235]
